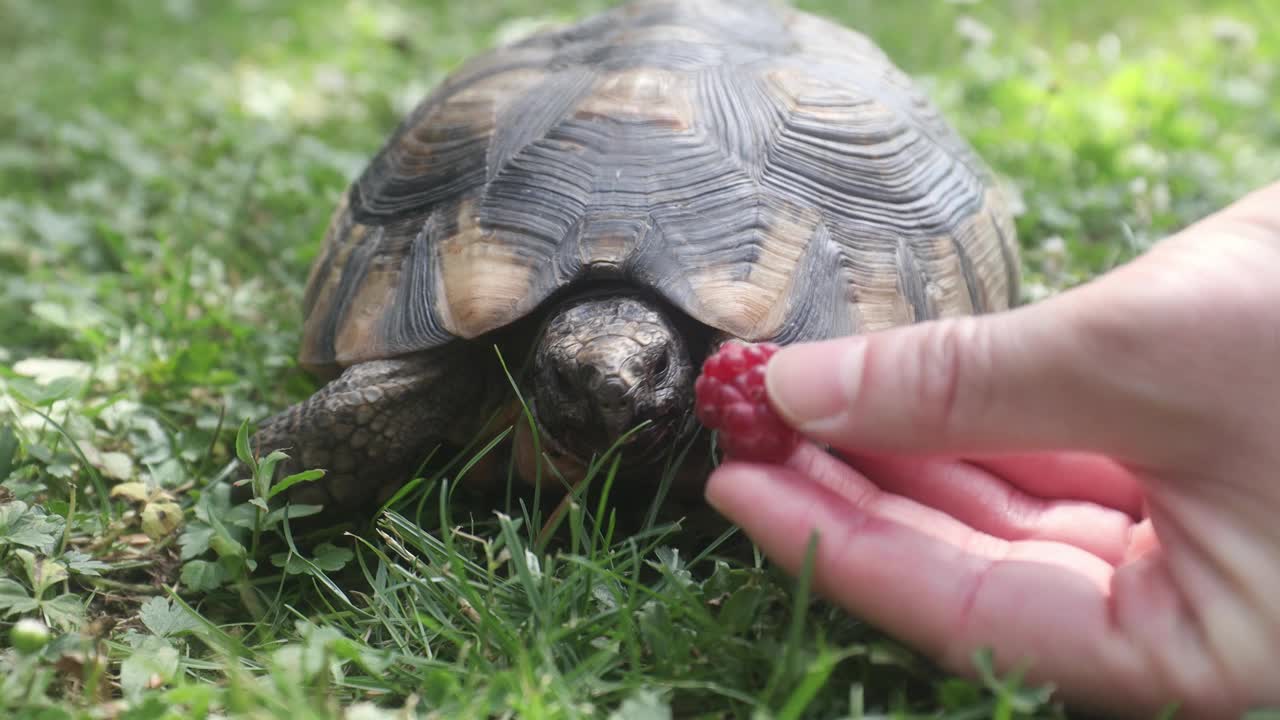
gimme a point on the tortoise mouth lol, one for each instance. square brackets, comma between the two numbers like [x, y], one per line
[549, 440]
[644, 444]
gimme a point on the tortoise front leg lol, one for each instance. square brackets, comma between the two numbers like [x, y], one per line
[371, 426]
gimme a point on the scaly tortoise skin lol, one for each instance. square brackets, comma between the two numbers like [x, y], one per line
[613, 200]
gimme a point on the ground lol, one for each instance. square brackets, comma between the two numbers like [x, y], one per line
[166, 171]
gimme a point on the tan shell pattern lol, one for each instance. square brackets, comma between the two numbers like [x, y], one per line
[768, 172]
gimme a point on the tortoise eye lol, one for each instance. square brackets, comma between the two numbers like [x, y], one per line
[663, 365]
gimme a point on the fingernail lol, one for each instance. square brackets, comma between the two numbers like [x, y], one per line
[808, 383]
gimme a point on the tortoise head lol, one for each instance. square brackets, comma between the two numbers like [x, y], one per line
[605, 365]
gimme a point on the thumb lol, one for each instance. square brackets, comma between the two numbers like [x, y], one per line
[1015, 381]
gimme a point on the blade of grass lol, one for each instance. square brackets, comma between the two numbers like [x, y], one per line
[795, 630]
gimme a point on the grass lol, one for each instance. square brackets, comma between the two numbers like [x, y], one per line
[166, 172]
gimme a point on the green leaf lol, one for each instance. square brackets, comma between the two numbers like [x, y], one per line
[168, 473]
[57, 389]
[201, 575]
[41, 571]
[724, 580]
[8, 451]
[154, 662]
[799, 608]
[806, 690]
[54, 713]
[243, 516]
[28, 527]
[242, 447]
[222, 541]
[214, 502]
[331, 557]
[292, 564]
[155, 706]
[265, 472]
[116, 465]
[226, 546]
[62, 470]
[165, 619]
[194, 540]
[372, 661]
[328, 557]
[674, 566]
[235, 566]
[83, 564]
[14, 598]
[195, 699]
[291, 512]
[65, 611]
[741, 609]
[285, 484]
[957, 693]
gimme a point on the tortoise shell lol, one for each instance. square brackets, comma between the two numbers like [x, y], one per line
[769, 173]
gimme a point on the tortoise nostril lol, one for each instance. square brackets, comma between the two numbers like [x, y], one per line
[613, 391]
[563, 377]
[590, 375]
[612, 398]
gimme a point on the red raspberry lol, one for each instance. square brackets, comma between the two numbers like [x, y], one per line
[731, 399]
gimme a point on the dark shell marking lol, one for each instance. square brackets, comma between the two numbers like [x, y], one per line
[768, 172]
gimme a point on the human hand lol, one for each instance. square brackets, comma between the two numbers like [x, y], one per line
[1088, 486]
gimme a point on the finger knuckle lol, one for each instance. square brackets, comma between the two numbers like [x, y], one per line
[946, 374]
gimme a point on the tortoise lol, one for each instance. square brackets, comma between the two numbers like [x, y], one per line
[610, 201]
